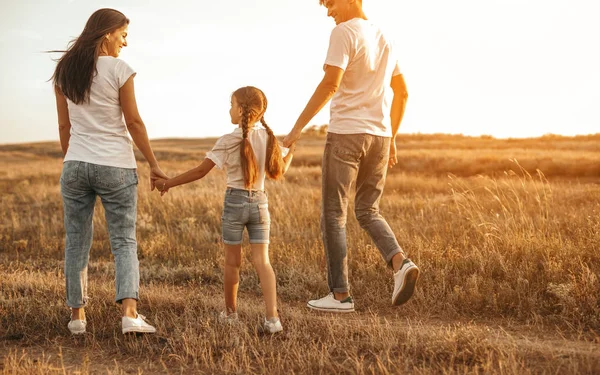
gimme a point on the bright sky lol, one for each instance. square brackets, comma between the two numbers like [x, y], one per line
[507, 68]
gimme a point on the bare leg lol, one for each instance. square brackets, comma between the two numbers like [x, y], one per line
[129, 306]
[233, 261]
[77, 313]
[397, 260]
[262, 264]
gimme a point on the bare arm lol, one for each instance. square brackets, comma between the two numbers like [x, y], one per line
[397, 113]
[134, 122]
[186, 177]
[398, 102]
[64, 124]
[323, 93]
[287, 160]
[137, 129]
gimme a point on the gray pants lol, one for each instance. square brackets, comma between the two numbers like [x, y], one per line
[350, 159]
[80, 183]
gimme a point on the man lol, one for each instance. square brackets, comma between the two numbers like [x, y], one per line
[360, 69]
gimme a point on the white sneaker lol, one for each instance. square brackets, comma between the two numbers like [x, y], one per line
[329, 303]
[228, 319]
[273, 325]
[77, 327]
[138, 325]
[404, 282]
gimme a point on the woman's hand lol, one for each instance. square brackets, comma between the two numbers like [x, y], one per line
[155, 174]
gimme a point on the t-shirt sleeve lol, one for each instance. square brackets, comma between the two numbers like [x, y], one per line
[219, 152]
[340, 48]
[122, 72]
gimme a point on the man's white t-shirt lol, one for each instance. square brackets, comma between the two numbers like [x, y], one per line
[226, 155]
[98, 132]
[362, 102]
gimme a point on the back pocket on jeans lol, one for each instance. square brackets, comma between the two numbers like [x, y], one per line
[109, 177]
[264, 217]
[69, 172]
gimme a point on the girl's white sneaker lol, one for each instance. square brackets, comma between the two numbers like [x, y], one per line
[77, 327]
[273, 325]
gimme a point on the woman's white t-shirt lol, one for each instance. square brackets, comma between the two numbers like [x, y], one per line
[98, 132]
[226, 155]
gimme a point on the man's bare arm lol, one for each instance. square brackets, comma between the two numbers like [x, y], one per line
[323, 93]
[398, 103]
[396, 113]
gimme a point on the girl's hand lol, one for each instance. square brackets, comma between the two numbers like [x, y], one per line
[160, 183]
[155, 174]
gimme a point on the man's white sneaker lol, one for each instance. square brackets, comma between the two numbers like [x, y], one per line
[404, 282]
[138, 325]
[273, 325]
[77, 327]
[329, 303]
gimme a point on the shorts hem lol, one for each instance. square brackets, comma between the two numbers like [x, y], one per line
[259, 242]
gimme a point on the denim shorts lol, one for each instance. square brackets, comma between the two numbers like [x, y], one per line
[245, 209]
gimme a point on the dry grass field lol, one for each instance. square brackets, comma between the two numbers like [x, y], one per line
[506, 233]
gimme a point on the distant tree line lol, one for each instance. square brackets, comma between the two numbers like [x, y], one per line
[316, 130]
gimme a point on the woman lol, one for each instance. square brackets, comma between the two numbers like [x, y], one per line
[94, 91]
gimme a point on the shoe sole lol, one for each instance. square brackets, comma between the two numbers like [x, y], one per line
[77, 333]
[329, 310]
[137, 330]
[273, 332]
[408, 287]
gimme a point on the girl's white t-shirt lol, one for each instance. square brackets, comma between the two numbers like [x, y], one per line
[98, 132]
[226, 155]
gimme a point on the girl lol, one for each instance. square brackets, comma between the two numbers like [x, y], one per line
[248, 154]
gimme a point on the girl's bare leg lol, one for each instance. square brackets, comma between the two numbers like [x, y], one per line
[262, 264]
[233, 261]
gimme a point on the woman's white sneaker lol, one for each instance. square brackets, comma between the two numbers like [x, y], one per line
[404, 282]
[273, 325]
[137, 325]
[330, 304]
[77, 327]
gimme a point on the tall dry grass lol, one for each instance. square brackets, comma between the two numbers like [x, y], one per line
[509, 259]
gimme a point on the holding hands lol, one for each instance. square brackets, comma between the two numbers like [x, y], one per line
[155, 174]
[161, 185]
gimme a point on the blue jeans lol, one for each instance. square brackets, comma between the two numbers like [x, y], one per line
[80, 183]
[245, 209]
[350, 160]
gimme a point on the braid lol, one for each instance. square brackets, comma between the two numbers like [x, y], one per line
[273, 162]
[247, 157]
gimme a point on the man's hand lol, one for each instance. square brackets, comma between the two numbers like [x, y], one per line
[291, 138]
[393, 160]
[155, 174]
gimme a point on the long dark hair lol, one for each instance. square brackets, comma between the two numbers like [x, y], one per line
[75, 70]
[254, 105]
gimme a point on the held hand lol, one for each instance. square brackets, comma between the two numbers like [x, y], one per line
[393, 160]
[291, 138]
[155, 174]
[160, 186]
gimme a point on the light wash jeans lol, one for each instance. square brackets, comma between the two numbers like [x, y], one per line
[348, 160]
[80, 183]
[245, 209]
